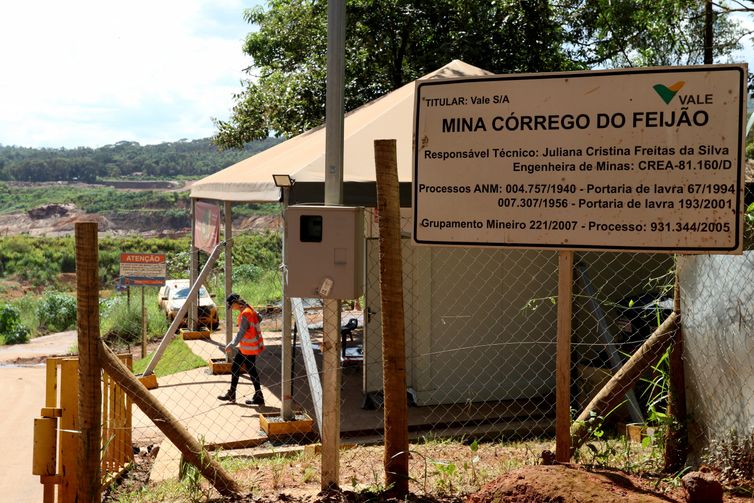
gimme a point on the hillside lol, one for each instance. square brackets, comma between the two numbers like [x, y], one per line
[129, 188]
[170, 160]
[156, 210]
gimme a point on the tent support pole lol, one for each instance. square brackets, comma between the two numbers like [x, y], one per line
[227, 213]
[193, 267]
[286, 366]
[193, 292]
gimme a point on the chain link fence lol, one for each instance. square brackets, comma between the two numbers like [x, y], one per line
[718, 327]
[480, 335]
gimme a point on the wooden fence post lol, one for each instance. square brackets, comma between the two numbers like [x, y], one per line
[90, 381]
[393, 337]
[676, 440]
[563, 359]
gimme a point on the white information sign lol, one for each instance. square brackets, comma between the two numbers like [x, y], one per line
[644, 160]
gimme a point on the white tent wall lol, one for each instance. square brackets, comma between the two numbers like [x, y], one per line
[481, 323]
[470, 336]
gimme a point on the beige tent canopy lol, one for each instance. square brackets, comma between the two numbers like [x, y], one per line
[303, 157]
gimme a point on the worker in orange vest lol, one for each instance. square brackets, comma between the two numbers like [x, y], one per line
[249, 343]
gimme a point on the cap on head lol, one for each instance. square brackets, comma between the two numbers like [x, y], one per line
[232, 299]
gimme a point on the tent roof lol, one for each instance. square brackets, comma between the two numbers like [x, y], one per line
[303, 157]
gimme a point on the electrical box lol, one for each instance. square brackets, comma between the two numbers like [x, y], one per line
[325, 248]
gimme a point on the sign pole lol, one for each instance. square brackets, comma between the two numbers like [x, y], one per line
[143, 326]
[563, 358]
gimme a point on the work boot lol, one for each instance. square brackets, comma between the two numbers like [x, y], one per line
[257, 399]
[230, 396]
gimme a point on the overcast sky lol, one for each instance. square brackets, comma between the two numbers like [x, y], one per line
[95, 72]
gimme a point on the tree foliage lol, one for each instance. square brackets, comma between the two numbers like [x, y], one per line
[392, 42]
[630, 33]
[388, 43]
[12, 330]
[56, 311]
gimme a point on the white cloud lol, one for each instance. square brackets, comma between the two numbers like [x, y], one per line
[93, 72]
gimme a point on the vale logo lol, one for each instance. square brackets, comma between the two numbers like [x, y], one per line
[668, 93]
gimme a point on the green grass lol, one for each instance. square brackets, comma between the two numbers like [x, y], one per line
[89, 199]
[121, 325]
[266, 290]
[26, 305]
[176, 358]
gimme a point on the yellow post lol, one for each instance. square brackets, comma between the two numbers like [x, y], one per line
[45, 455]
[51, 383]
[45, 435]
[117, 457]
[69, 435]
[127, 420]
[45, 446]
[563, 358]
[113, 447]
[105, 422]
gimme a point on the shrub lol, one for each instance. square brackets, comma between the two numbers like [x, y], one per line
[56, 312]
[11, 328]
[246, 272]
[260, 249]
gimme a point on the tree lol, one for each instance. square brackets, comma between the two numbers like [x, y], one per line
[388, 43]
[631, 33]
[392, 42]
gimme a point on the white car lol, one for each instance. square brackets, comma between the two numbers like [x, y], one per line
[173, 295]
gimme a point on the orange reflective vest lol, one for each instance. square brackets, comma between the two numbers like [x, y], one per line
[251, 342]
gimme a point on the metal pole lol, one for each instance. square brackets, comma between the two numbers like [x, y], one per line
[193, 266]
[336, 30]
[286, 390]
[228, 274]
[143, 325]
[194, 290]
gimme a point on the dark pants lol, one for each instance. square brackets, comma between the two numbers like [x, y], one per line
[239, 362]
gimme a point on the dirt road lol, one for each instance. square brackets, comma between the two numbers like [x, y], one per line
[38, 349]
[21, 398]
